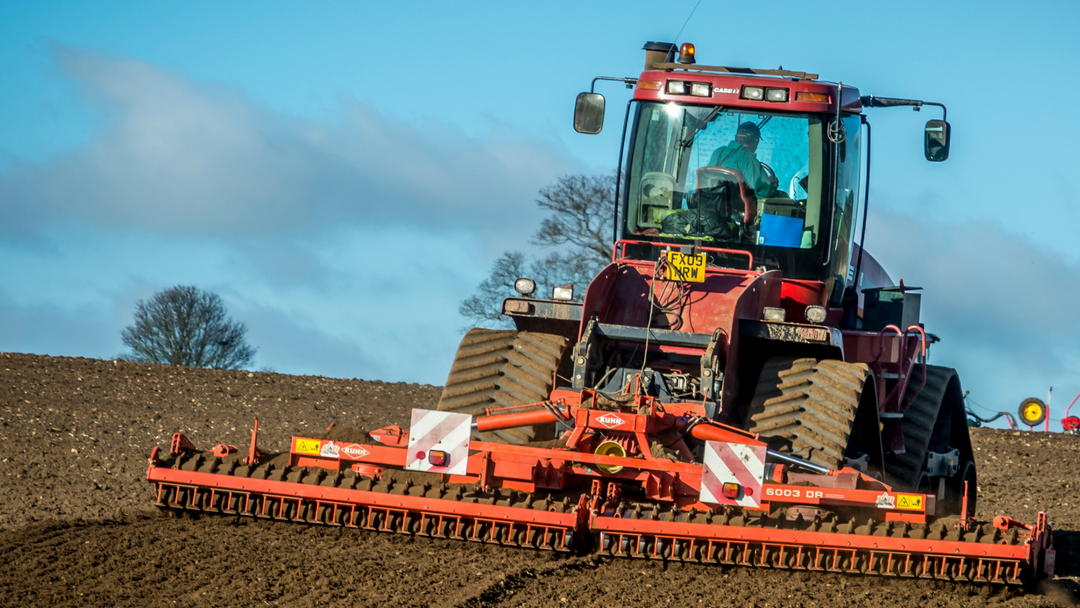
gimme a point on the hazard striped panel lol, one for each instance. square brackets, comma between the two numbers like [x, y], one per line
[447, 432]
[733, 463]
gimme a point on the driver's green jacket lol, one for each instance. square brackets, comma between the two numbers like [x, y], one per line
[738, 157]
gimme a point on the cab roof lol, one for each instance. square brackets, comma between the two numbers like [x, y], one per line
[727, 87]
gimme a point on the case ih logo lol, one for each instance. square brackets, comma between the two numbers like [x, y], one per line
[353, 450]
[610, 420]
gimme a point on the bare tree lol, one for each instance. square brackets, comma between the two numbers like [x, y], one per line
[483, 307]
[184, 325]
[578, 228]
[581, 209]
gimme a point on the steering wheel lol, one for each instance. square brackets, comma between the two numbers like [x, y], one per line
[770, 175]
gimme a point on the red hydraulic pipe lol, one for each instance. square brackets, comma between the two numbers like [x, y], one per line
[1071, 403]
[710, 432]
[509, 421]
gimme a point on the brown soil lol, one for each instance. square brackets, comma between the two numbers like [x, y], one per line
[76, 528]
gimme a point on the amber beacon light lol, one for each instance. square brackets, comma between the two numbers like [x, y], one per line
[686, 53]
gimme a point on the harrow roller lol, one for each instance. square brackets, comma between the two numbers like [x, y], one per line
[984, 554]
[875, 548]
[314, 496]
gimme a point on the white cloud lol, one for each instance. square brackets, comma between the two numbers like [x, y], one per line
[179, 157]
[345, 244]
[1003, 304]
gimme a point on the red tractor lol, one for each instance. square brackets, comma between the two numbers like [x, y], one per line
[742, 384]
[739, 293]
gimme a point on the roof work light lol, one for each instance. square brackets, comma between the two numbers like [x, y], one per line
[525, 286]
[753, 93]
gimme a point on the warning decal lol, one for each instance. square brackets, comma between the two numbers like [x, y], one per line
[308, 446]
[909, 501]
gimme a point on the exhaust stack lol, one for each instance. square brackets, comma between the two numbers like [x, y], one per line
[659, 52]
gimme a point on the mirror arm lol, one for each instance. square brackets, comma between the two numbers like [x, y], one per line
[871, 101]
[944, 112]
[629, 82]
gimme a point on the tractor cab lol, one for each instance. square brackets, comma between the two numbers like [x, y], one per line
[732, 177]
[731, 160]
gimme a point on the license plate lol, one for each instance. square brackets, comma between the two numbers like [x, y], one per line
[684, 267]
[818, 334]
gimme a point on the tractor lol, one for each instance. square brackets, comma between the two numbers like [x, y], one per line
[750, 298]
[743, 384]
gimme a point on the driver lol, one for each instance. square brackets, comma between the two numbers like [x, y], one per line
[739, 155]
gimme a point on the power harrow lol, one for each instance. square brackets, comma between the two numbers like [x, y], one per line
[630, 477]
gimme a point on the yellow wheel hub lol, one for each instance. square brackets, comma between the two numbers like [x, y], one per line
[1032, 411]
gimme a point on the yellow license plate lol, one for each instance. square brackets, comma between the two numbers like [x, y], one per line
[909, 501]
[683, 267]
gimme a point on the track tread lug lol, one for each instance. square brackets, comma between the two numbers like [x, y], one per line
[809, 405]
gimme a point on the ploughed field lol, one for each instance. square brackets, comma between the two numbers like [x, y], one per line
[77, 528]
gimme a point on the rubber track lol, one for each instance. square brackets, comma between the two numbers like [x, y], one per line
[495, 369]
[633, 545]
[918, 424]
[806, 407]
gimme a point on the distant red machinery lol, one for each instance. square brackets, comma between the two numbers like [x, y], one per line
[1071, 424]
[1034, 411]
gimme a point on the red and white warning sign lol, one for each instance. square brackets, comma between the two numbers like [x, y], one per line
[439, 442]
[733, 463]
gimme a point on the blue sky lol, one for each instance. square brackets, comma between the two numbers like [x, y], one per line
[344, 173]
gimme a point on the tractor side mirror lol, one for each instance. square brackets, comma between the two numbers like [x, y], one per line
[589, 113]
[937, 140]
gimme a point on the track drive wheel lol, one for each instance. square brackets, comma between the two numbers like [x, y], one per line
[503, 368]
[934, 421]
[807, 407]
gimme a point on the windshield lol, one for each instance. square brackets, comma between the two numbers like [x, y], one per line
[731, 179]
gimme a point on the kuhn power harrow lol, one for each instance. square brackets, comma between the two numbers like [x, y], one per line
[630, 477]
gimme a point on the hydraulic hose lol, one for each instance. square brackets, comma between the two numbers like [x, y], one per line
[798, 462]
